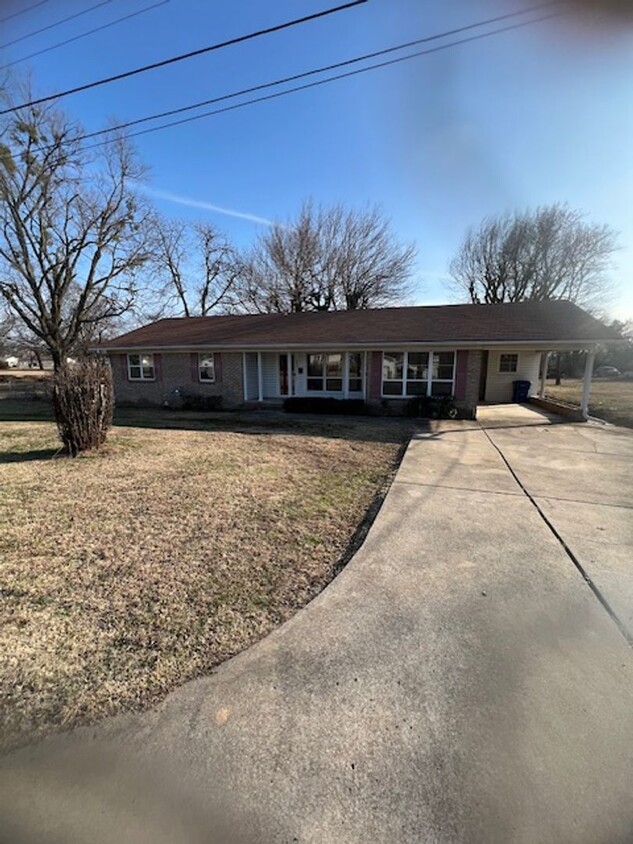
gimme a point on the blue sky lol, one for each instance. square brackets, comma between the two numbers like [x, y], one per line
[539, 115]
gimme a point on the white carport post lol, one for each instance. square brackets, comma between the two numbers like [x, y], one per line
[260, 378]
[544, 365]
[586, 386]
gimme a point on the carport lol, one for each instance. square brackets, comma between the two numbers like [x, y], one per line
[502, 365]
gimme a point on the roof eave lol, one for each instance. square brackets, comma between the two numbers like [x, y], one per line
[544, 345]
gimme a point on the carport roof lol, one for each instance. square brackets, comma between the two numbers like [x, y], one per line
[555, 323]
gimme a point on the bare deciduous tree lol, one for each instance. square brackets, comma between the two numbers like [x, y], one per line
[327, 259]
[7, 327]
[198, 265]
[549, 253]
[72, 230]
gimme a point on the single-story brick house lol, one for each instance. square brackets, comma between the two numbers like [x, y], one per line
[384, 356]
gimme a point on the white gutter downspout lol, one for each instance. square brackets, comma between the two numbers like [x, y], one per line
[586, 386]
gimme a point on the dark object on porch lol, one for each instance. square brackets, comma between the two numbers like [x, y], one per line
[521, 391]
[432, 407]
[315, 404]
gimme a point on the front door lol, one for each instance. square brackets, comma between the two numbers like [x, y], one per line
[483, 375]
[284, 376]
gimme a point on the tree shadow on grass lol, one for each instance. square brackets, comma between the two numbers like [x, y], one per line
[12, 410]
[256, 422]
[28, 456]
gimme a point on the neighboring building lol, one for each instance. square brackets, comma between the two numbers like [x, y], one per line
[384, 356]
[12, 361]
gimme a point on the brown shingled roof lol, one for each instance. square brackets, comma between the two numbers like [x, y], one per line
[522, 322]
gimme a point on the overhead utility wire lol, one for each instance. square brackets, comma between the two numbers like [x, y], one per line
[330, 79]
[238, 40]
[315, 71]
[57, 23]
[23, 11]
[84, 34]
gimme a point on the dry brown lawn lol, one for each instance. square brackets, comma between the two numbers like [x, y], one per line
[125, 573]
[609, 400]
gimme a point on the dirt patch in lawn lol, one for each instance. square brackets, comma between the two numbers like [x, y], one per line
[125, 573]
[609, 400]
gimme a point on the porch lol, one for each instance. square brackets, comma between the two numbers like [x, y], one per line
[271, 377]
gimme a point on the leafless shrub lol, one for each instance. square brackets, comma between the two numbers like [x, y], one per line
[83, 402]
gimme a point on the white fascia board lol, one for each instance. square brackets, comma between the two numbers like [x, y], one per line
[540, 345]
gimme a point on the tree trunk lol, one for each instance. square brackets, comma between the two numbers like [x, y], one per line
[58, 359]
[558, 368]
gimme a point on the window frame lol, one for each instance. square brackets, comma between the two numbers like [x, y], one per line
[325, 376]
[514, 355]
[205, 356]
[355, 377]
[141, 376]
[429, 380]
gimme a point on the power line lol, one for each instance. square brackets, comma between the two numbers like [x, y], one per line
[240, 39]
[84, 34]
[53, 25]
[324, 69]
[335, 78]
[23, 11]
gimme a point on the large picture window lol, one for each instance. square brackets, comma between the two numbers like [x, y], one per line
[140, 367]
[325, 372]
[418, 373]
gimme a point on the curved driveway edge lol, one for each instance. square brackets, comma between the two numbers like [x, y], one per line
[457, 682]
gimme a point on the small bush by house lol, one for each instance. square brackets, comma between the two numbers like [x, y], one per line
[432, 407]
[316, 404]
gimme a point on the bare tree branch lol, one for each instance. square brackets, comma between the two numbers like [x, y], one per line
[548, 253]
[327, 259]
[198, 267]
[73, 235]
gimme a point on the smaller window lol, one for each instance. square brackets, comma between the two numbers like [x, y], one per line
[206, 367]
[140, 367]
[508, 362]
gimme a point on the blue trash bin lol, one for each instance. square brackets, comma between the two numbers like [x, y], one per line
[521, 391]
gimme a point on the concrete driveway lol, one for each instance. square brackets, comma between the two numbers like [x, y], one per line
[460, 681]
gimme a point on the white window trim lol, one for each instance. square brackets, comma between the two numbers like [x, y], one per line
[324, 376]
[141, 377]
[508, 371]
[349, 377]
[429, 380]
[346, 377]
[202, 355]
